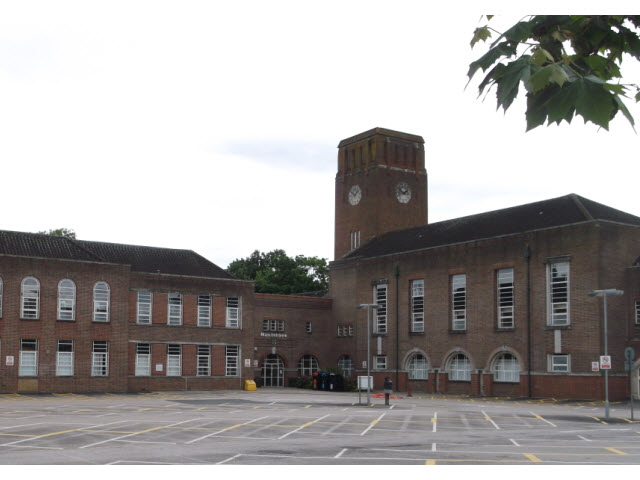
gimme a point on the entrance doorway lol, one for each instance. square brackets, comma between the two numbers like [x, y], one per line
[273, 371]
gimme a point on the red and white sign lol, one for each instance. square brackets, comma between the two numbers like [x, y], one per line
[595, 366]
[605, 362]
[9, 361]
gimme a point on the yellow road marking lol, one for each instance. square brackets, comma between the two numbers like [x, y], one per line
[532, 457]
[307, 406]
[430, 461]
[597, 419]
[615, 450]
[14, 435]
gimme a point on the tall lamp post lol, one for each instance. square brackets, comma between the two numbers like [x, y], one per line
[368, 306]
[605, 294]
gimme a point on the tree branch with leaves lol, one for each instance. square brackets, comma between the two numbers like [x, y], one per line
[569, 65]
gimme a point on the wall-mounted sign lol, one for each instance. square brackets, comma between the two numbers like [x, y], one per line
[605, 362]
[9, 361]
[595, 366]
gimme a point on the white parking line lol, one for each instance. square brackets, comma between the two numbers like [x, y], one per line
[434, 420]
[540, 418]
[303, 426]
[514, 442]
[488, 418]
[373, 423]
[225, 430]
[585, 439]
[341, 453]
[229, 459]
[132, 434]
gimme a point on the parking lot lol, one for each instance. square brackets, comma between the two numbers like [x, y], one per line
[300, 427]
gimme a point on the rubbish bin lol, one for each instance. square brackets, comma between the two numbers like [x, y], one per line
[315, 385]
[324, 381]
[332, 381]
[339, 383]
[250, 385]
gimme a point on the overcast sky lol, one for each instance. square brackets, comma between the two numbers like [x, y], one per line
[213, 126]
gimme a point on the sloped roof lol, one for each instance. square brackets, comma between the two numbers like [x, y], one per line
[556, 212]
[140, 258]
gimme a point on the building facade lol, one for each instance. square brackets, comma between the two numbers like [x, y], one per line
[489, 304]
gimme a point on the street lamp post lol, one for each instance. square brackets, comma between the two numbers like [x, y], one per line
[368, 306]
[604, 294]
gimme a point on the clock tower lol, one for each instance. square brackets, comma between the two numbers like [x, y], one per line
[381, 185]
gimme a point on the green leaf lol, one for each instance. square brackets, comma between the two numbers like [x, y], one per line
[480, 34]
[509, 81]
[489, 58]
[625, 111]
[593, 101]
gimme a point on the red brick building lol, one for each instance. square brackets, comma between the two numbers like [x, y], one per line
[489, 304]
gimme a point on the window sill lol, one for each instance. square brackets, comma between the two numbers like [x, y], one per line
[417, 334]
[455, 332]
[558, 327]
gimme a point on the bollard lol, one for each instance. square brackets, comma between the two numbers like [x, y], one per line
[388, 388]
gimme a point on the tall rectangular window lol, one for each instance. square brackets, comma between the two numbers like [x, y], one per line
[204, 310]
[380, 299]
[144, 308]
[232, 356]
[66, 300]
[459, 301]
[64, 359]
[558, 293]
[505, 298]
[354, 240]
[28, 357]
[100, 358]
[233, 312]
[174, 360]
[637, 312]
[174, 316]
[203, 361]
[417, 305]
[101, 302]
[143, 359]
[30, 299]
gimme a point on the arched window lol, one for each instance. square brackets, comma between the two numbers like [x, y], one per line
[345, 365]
[459, 368]
[418, 367]
[307, 365]
[66, 300]
[30, 299]
[506, 368]
[101, 298]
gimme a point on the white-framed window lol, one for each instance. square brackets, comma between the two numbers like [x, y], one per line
[505, 298]
[636, 316]
[459, 368]
[459, 301]
[307, 365]
[100, 358]
[354, 240]
[144, 308]
[559, 363]
[0, 297]
[380, 299]
[418, 367]
[204, 310]
[345, 365]
[30, 299]
[339, 330]
[558, 293]
[28, 357]
[174, 360]
[272, 325]
[66, 300]
[203, 360]
[232, 360]
[233, 312]
[64, 358]
[101, 302]
[174, 307]
[143, 360]
[307, 327]
[380, 362]
[506, 368]
[350, 330]
[417, 305]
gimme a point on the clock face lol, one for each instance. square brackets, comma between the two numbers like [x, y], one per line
[355, 194]
[403, 192]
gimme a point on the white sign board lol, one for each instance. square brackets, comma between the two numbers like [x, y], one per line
[9, 361]
[362, 382]
[605, 362]
[247, 362]
[595, 366]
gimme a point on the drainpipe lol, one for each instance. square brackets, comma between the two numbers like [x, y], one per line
[396, 272]
[527, 256]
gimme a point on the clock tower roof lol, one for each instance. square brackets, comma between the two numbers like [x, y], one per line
[382, 132]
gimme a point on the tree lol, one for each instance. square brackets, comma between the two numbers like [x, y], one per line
[568, 64]
[61, 232]
[275, 272]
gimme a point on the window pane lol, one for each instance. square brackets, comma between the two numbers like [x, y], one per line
[144, 307]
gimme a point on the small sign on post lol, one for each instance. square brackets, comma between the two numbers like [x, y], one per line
[595, 366]
[605, 362]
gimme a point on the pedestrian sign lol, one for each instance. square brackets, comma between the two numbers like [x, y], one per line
[605, 362]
